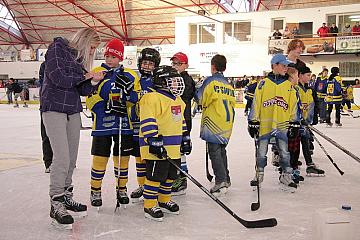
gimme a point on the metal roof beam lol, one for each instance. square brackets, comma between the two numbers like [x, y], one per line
[220, 5]
[123, 18]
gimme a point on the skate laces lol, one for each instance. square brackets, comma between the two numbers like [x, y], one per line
[155, 209]
[140, 189]
[285, 178]
[170, 204]
[59, 209]
[70, 201]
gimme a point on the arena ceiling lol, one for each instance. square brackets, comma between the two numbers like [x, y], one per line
[136, 22]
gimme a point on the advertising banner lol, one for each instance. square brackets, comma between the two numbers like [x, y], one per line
[313, 46]
[7, 56]
[27, 55]
[130, 57]
[348, 44]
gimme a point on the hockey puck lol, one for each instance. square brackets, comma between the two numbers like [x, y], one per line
[346, 207]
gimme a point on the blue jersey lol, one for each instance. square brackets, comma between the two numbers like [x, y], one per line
[250, 90]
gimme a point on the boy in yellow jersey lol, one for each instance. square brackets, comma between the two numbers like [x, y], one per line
[275, 113]
[107, 110]
[162, 135]
[348, 98]
[217, 98]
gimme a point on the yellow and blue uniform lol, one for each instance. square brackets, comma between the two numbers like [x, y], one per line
[333, 91]
[320, 87]
[217, 98]
[306, 102]
[250, 90]
[161, 113]
[349, 93]
[105, 129]
[275, 105]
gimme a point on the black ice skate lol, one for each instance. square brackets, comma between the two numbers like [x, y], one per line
[179, 186]
[79, 209]
[313, 170]
[96, 200]
[122, 199]
[329, 124]
[137, 194]
[296, 177]
[338, 124]
[154, 213]
[169, 207]
[61, 218]
[286, 183]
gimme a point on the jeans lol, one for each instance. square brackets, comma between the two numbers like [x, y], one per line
[217, 153]
[282, 147]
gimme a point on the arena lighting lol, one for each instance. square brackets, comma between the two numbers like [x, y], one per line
[355, 16]
[355, 20]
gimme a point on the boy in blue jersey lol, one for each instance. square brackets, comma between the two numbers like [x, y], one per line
[275, 113]
[108, 111]
[217, 98]
[320, 88]
[162, 135]
[249, 93]
[333, 96]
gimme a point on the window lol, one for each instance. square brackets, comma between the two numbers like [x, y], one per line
[348, 21]
[306, 29]
[331, 19]
[349, 69]
[235, 32]
[277, 23]
[202, 33]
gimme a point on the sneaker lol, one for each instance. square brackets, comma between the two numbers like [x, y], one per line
[258, 175]
[61, 218]
[16, 106]
[154, 213]
[72, 205]
[287, 183]
[25, 106]
[179, 186]
[296, 177]
[219, 188]
[313, 170]
[137, 194]
[169, 207]
[47, 170]
[275, 160]
[95, 199]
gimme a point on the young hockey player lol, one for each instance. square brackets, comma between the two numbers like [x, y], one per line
[348, 98]
[217, 98]
[320, 88]
[108, 109]
[162, 135]
[333, 96]
[148, 60]
[275, 113]
[249, 94]
[180, 62]
[307, 109]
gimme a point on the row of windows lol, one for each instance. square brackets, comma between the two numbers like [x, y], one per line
[234, 32]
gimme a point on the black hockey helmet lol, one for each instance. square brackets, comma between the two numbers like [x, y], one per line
[335, 70]
[167, 78]
[149, 54]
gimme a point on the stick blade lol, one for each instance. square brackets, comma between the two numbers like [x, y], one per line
[255, 206]
[264, 223]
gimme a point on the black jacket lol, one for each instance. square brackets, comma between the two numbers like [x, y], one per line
[187, 96]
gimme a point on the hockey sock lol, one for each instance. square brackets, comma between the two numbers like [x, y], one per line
[97, 172]
[140, 170]
[124, 165]
[151, 190]
[165, 191]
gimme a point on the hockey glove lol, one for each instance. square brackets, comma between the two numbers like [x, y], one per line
[186, 145]
[253, 128]
[124, 83]
[293, 130]
[156, 147]
[116, 107]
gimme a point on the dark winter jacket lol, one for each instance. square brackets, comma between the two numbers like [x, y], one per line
[17, 88]
[64, 80]
[187, 96]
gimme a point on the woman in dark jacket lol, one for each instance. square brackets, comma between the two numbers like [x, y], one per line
[66, 79]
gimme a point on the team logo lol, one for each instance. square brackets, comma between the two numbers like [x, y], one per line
[278, 101]
[176, 113]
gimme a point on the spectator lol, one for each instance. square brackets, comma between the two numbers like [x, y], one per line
[323, 31]
[10, 90]
[2, 84]
[277, 34]
[18, 92]
[346, 31]
[286, 33]
[356, 29]
[295, 32]
[357, 83]
[333, 30]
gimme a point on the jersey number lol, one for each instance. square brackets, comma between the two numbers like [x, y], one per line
[226, 105]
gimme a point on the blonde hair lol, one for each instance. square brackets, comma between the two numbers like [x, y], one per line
[82, 42]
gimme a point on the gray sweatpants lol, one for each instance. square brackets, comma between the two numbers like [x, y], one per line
[64, 133]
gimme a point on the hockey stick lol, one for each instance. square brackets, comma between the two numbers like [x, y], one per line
[335, 143]
[208, 175]
[270, 222]
[350, 113]
[256, 205]
[330, 158]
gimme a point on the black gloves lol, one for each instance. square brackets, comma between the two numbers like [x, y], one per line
[124, 83]
[293, 130]
[253, 128]
[116, 107]
[186, 145]
[156, 147]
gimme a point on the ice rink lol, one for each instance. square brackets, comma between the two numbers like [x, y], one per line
[24, 200]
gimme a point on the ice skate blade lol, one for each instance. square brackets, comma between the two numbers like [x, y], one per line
[78, 215]
[137, 200]
[154, 219]
[169, 212]
[315, 175]
[221, 192]
[287, 189]
[178, 193]
[61, 226]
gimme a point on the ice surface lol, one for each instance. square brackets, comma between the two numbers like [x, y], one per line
[24, 200]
